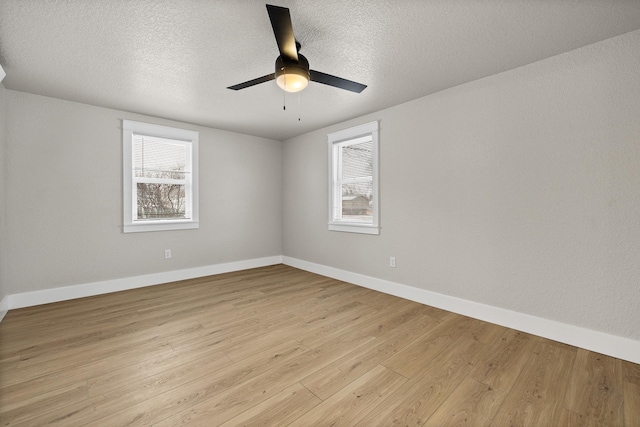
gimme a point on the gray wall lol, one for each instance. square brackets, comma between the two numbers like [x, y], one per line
[64, 199]
[520, 191]
[3, 240]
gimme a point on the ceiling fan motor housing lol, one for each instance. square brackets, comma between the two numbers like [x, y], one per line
[292, 75]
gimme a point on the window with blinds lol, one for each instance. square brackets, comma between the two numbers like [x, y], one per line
[353, 185]
[160, 177]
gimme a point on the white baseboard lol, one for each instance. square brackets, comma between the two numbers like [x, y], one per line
[4, 307]
[600, 342]
[28, 299]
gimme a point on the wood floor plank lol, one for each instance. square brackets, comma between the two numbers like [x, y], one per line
[596, 390]
[126, 335]
[68, 356]
[631, 404]
[472, 403]
[537, 397]
[239, 398]
[280, 410]
[418, 355]
[631, 372]
[299, 326]
[571, 419]
[27, 388]
[204, 375]
[119, 379]
[88, 410]
[396, 315]
[379, 301]
[9, 364]
[222, 330]
[504, 361]
[142, 348]
[240, 346]
[357, 319]
[48, 401]
[335, 376]
[102, 377]
[424, 392]
[348, 406]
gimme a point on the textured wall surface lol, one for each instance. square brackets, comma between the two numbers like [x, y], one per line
[3, 240]
[518, 191]
[64, 198]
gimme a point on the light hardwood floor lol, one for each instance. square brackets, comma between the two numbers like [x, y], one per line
[279, 346]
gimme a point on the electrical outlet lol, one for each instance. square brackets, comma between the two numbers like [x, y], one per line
[167, 253]
[392, 262]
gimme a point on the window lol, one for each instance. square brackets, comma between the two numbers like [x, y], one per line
[160, 177]
[353, 179]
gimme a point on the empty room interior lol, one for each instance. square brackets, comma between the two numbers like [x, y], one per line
[427, 213]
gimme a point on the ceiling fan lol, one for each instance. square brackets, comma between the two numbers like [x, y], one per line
[292, 69]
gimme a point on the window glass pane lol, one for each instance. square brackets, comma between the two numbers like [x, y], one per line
[158, 158]
[357, 202]
[357, 160]
[161, 201]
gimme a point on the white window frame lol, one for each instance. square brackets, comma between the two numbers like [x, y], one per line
[336, 140]
[190, 139]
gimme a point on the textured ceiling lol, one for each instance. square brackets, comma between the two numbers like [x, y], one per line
[174, 59]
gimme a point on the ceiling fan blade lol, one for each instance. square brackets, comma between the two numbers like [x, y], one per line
[334, 81]
[283, 30]
[253, 82]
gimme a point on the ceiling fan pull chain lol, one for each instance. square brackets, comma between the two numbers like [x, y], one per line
[299, 96]
[284, 94]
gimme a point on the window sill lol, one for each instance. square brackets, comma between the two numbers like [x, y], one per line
[160, 226]
[355, 228]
